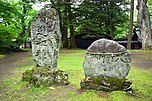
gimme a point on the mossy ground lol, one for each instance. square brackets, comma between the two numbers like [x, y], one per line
[71, 61]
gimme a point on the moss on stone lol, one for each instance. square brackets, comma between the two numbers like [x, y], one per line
[105, 83]
[40, 69]
[45, 76]
[27, 75]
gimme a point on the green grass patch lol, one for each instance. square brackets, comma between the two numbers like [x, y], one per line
[140, 50]
[24, 68]
[30, 58]
[71, 61]
[2, 56]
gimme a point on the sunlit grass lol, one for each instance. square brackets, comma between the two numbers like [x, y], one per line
[71, 61]
[2, 56]
[140, 50]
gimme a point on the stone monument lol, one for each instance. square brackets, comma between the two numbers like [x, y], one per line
[106, 65]
[46, 38]
[46, 41]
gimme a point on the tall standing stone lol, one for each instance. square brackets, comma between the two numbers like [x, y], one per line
[106, 65]
[46, 41]
[46, 38]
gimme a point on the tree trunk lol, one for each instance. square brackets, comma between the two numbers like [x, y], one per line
[59, 11]
[110, 22]
[143, 30]
[72, 39]
[23, 25]
[65, 36]
[65, 30]
[131, 24]
[143, 22]
[63, 22]
[111, 28]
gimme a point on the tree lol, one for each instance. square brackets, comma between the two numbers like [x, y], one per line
[9, 28]
[14, 27]
[65, 10]
[67, 15]
[91, 17]
[131, 24]
[143, 22]
[102, 17]
[27, 15]
[62, 9]
[71, 25]
[150, 9]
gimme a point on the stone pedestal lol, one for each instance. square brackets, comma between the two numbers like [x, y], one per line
[106, 65]
[106, 83]
[42, 76]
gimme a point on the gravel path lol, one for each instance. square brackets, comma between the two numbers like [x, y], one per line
[10, 62]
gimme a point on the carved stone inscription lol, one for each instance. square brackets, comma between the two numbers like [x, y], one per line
[107, 58]
[46, 38]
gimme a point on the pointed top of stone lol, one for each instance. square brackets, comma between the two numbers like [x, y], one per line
[106, 46]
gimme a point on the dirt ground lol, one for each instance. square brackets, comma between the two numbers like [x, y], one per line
[142, 60]
[10, 62]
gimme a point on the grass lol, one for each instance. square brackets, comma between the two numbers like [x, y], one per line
[140, 50]
[71, 61]
[2, 56]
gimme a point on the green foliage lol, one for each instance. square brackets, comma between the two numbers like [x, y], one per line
[8, 12]
[8, 24]
[14, 25]
[7, 35]
[121, 30]
[150, 8]
[103, 17]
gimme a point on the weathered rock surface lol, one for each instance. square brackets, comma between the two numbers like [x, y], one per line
[46, 38]
[107, 58]
[45, 76]
[106, 46]
[106, 65]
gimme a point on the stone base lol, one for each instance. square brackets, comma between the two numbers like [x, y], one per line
[106, 84]
[45, 76]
